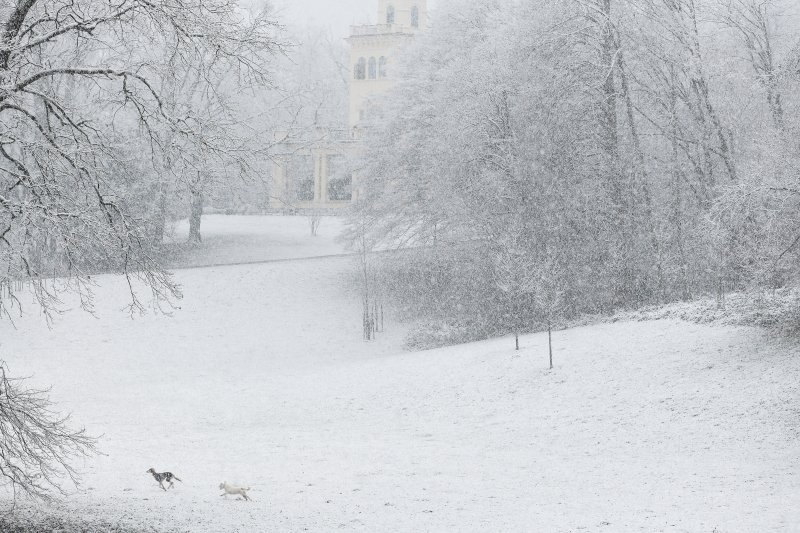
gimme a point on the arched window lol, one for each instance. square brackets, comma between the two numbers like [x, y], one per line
[415, 17]
[373, 68]
[382, 67]
[360, 70]
[390, 14]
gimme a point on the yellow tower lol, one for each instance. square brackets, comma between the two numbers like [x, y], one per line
[373, 49]
[313, 177]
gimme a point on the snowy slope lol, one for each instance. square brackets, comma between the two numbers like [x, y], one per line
[261, 378]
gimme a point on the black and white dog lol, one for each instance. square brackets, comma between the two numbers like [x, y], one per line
[164, 476]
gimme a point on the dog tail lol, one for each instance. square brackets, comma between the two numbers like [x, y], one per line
[177, 478]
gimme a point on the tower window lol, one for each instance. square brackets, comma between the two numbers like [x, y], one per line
[360, 70]
[382, 67]
[373, 67]
[390, 14]
[415, 17]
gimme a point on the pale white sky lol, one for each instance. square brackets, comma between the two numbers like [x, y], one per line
[337, 15]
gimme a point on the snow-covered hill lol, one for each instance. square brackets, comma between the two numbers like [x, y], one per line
[261, 378]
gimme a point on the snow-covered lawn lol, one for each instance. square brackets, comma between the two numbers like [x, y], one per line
[247, 239]
[261, 378]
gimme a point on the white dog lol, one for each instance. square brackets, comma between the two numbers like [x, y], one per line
[233, 489]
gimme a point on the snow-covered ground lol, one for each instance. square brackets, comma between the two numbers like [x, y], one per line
[247, 239]
[261, 378]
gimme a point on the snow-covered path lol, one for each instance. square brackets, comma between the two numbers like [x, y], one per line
[262, 378]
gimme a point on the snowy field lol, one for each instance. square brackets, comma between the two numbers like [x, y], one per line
[247, 239]
[261, 378]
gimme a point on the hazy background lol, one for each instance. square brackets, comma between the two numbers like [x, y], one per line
[337, 15]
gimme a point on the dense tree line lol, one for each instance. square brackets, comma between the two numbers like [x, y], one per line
[550, 159]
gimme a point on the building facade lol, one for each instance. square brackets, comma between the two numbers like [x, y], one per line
[312, 176]
[374, 49]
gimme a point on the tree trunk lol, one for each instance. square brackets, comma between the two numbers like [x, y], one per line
[609, 121]
[195, 217]
[640, 195]
[677, 191]
[159, 227]
[700, 87]
[314, 221]
[622, 234]
[160, 215]
[751, 20]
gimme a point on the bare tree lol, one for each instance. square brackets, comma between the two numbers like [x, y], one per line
[73, 75]
[36, 445]
[515, 277]
[371, 302]
[751, 20]
[314, 218]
